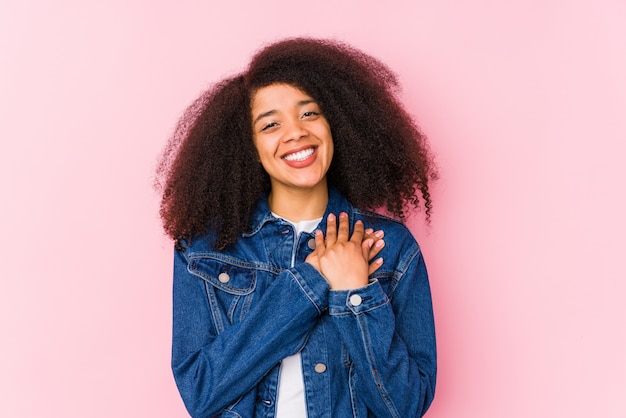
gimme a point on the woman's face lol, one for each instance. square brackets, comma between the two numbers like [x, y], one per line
[292, 137]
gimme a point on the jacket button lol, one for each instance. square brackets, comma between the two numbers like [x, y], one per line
[320, 367]
[223, 278]
[356, 300]
[312, 243]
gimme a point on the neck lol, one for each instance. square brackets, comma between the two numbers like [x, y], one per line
[299, 204]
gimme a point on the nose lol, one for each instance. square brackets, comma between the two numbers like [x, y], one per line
[295, 131]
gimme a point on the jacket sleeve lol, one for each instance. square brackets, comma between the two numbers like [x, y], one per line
[212, 371]
[391, 343]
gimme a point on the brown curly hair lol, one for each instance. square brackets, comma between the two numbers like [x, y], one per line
[210, 175]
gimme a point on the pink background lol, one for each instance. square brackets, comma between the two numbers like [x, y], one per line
[524, 103]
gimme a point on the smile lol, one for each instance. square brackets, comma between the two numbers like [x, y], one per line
[300, 155]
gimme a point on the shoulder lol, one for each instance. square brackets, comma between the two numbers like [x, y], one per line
[389, 225]
[248, 251]
[201, 244]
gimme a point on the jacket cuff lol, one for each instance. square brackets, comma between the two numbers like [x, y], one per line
[313, 284]
[358, 300]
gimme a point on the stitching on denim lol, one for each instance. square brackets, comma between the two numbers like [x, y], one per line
[213, 305]
[234, 261]
[195, 270]
[305, 291]
[232, 309]
[405, 262]
[247, 302]
[365, 335]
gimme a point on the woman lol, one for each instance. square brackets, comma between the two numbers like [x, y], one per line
[288, 300]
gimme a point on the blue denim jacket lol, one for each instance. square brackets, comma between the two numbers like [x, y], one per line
[366, 352]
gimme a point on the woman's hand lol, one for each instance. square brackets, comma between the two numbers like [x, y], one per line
[342, 259]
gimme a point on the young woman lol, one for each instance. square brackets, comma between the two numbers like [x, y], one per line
[291, 298]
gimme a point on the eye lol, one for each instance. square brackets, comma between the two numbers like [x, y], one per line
[310, 113]
[268, 126]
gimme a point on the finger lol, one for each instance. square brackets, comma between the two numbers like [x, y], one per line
[313, 259]
[378, 263]
[375, 235]
[357, 234]
[366, 247]
[320, 245]
[331, 229]
[375, 249]
[344, 227]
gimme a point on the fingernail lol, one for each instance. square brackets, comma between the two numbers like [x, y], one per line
[359, 222]
[370, 243]
[331, 217]
[369, 231]
[380, 244]
[379, 234]
[379, 261]
[343, 215]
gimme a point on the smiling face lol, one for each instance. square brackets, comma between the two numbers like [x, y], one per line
[292, 138]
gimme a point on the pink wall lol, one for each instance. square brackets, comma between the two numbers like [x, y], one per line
[524, 104]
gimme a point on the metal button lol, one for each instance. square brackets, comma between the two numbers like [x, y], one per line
[356, 300]
[320, 367]
[312, 243]
[223, 278]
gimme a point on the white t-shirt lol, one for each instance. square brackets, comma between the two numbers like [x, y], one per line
[291, 402]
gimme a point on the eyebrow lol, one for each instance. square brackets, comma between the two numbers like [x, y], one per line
[273, 112]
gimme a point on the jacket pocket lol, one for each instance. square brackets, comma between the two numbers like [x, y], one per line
[230, 285]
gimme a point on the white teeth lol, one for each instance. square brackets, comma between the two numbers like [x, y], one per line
[300, 155]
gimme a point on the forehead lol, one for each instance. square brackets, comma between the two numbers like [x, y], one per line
[276, 96]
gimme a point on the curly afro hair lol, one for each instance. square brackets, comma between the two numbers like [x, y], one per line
[209, 172]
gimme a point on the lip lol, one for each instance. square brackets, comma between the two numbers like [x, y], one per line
[302, 163]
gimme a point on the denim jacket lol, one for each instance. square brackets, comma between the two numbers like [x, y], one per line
[366, 352]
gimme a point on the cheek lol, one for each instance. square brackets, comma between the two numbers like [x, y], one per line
[331, 147]
[258, 149]
[264, 157]
[263, 153]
